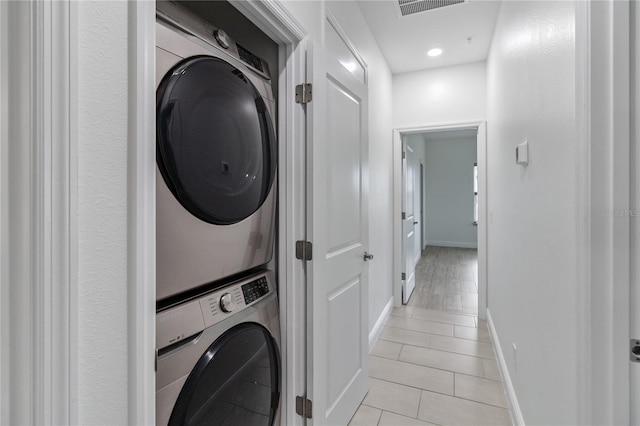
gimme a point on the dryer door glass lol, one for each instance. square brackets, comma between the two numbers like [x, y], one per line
[215, 139]
[236, 382]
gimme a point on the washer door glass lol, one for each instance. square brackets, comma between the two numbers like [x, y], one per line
[236, 382]
[215, 140]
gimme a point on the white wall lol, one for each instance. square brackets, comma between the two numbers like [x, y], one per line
[448, 189]
[440, 96]
[532, 233]
[311, 16]
[102, 212]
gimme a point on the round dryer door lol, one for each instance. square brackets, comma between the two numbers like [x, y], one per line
[236, 382]
[216, 144]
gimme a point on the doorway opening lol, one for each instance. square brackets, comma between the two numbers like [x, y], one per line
[440, 218]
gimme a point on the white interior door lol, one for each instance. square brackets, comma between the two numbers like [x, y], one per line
[408, 221]
[337, 196]
[417, 201]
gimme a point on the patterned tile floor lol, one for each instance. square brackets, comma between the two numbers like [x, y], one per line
[435, 364]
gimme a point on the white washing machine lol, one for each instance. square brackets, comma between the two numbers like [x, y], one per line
[216, 155]
[218, 359]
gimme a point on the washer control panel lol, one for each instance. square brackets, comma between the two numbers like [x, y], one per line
[191, 317]
[255, 290]
[226, 303]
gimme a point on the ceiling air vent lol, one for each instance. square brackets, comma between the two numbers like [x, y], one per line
[409, 7]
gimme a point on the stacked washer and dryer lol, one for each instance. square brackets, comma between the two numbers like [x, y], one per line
[218, 336]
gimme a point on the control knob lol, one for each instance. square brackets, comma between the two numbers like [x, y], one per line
[226, 303]
[222, 38]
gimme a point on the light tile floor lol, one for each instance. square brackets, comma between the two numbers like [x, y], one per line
[433, 368]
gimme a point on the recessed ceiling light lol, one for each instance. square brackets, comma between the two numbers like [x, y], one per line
[434, 52]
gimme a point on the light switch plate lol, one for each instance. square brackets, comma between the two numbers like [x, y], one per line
[522, 154]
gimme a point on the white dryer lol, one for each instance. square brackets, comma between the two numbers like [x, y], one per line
[216, 155]
[218, 359]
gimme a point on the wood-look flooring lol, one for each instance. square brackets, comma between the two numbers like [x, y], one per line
[447, 280]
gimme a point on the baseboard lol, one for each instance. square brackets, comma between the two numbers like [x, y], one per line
[379, 325]
[514, 407]
[452, 244]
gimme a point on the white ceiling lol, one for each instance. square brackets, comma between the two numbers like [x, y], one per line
[405, 40]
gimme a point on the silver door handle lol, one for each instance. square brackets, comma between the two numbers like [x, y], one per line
[415, 223]
[367, 256]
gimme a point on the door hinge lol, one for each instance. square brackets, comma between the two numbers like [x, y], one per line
[403, 276]
[635, 350]
[303, 93]
[304, 250]
[404, 155]
[404, 215]
[304, 407]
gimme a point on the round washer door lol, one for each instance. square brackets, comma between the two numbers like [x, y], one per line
[235, 382]
[216, 146]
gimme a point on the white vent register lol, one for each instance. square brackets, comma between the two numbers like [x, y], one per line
[409, 7]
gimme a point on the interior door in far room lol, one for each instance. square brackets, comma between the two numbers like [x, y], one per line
[417, 207]
[337, 223]
[409, 220]
[422, 223]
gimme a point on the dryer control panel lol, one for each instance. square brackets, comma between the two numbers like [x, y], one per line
[176, 15]
[187, 319]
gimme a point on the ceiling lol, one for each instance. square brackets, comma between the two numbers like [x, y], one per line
[405, 40]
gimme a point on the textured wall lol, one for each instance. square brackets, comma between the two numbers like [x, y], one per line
[102, 212]
[532, 232]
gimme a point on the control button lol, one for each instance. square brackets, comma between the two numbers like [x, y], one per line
[221, 38]
[226, 303]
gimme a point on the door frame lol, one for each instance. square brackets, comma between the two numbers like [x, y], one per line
[38, 250]
[603, 183]
[398, 133]
[276, 22]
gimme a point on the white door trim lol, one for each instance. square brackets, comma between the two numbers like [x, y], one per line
[397, 197]
[37, 209]
[602, 66]
[141, 204]
[583, 204]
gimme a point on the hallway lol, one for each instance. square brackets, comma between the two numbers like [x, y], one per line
[434, 362]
